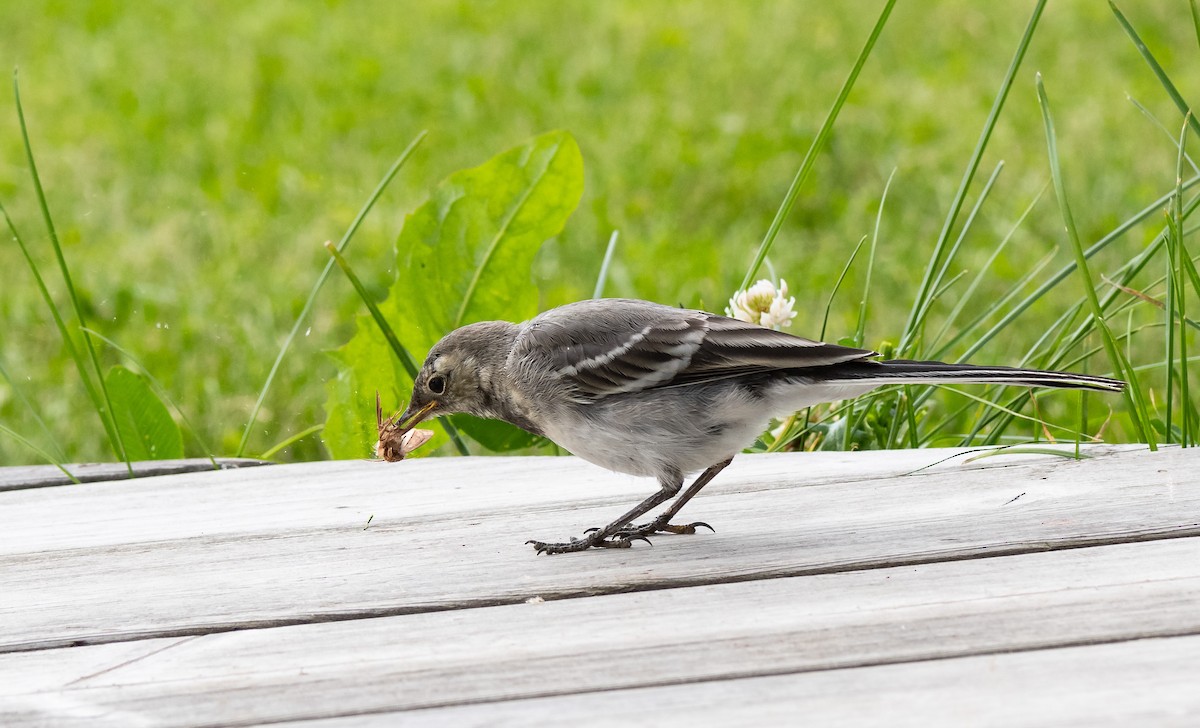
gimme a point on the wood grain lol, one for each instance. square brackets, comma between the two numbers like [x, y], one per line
[806, 645]
[287, 545]
[1145, 683]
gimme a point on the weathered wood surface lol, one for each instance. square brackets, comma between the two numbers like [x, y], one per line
[1124, 684]
[711, 634]
[290, 544]
[839, 587]
[18, 477]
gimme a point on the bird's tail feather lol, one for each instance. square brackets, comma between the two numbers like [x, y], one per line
[901, 371]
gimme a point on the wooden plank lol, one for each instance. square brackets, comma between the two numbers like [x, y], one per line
[19, 477]
[1151, 683]
[718, 635]
[309, 495]
[241, 559]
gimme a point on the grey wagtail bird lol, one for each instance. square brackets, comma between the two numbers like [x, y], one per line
[650, 390]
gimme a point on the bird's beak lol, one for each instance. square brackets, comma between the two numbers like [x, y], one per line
[395, 440]
[411, 418]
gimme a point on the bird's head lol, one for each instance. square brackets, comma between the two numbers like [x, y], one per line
[461, 374]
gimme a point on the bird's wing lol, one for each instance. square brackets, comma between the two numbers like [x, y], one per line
[607, 347]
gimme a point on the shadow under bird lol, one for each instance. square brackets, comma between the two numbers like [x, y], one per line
[650, 390]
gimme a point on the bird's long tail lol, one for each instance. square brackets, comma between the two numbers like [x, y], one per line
[902, 371]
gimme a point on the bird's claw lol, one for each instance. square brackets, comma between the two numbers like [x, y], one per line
[619, 541]
[653, 527]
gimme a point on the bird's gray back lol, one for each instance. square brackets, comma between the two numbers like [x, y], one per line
[599, 348]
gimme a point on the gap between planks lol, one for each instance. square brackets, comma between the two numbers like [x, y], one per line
[864, 525]
[1119, 685]
[706, 635]
[559, 595]
[23, 477]
[444, 710]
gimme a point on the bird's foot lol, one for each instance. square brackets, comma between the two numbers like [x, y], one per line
[660, 525]
[620, 541]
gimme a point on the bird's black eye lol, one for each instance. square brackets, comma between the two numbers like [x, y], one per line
[437, 384]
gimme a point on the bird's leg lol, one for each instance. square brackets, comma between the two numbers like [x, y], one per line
[600, 536]
[663, 524]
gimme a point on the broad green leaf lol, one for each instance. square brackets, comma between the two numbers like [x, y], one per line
[146, 427]
[365, 365]
[463, 256]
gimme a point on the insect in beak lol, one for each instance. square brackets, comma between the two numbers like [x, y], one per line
[398, 438]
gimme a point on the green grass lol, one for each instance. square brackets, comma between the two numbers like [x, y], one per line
[196, 158]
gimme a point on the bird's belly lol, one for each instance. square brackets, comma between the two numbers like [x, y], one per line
[661, 435]
[609, 448]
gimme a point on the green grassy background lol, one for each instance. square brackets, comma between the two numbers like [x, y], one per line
[197, 155]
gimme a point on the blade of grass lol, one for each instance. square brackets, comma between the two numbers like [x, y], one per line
[1176, 97]
[1066, 271]
[941, 291]
[1013, 411]
[911, 412]
[815, 148]
[1027, 450]
[984, 312]
[99, 393]
[608, 255]
[1149, 366]
[406, 358]
[1047, 344]
[1000, 416]
[1055, 358]
[825, 324]
[161, 393]
[837, 286]
[1180, 288]
[855, 414]
[1146, 298]
[60, 456]
[1049, 349]
[969, 294]
[860, 330]
[1154, 119]
[930, 434]
[291, 440]
[1195, 19]
[860, 327]
[312, 294]
[32, 446]
[893, 434]
[1125, 275]
[1051, 355]
[936, 284]
[874, 398]
[791, 420]
[1189, 263]
[1138, 409]
[914, 319]
[68, 341]
[1083, 416]
[1173, 230]
[1129, 337]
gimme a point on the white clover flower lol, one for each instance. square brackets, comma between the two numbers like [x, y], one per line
[762, 304]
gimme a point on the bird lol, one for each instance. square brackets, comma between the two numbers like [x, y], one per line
[652, 390]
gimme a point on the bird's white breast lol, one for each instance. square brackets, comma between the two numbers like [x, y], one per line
[684, 430]
[660, 433]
